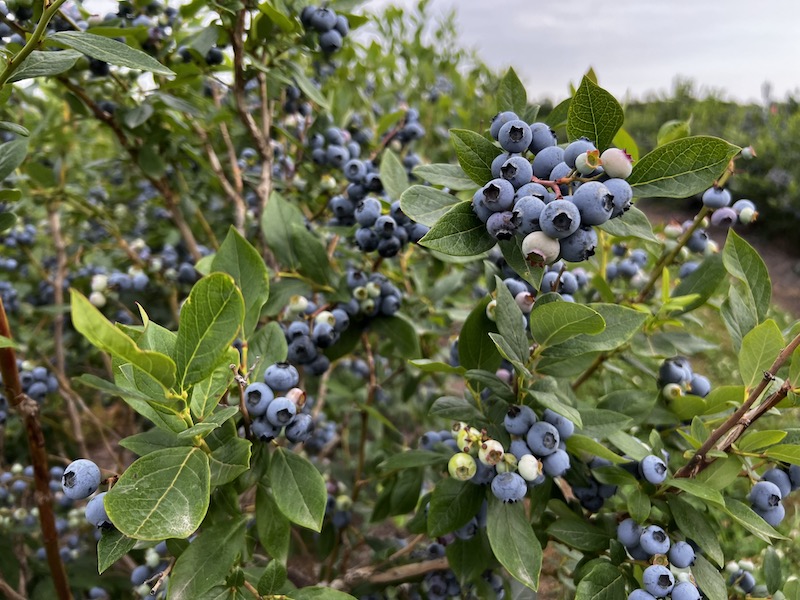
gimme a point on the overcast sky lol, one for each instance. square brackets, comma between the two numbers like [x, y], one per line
[634, 46]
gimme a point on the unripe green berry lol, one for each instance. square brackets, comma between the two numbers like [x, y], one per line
[462, 466]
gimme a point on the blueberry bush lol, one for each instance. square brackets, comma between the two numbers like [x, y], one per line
[285, 314]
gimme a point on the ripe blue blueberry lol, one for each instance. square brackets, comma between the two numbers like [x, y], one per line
[674, 370]
[501, 225]
[517, 170]
[685, 590]
[497, 195]
[96, 511]
[281, 411]
[527, 210]
[765, 495]
[546, 160]
[367, 211]
[622, 194]
[744, 579]
[681, 555]
[559, 219]
[542, 137]
[322, 19]
[794, 476]
[698, 241]
[139, 575]
[300, 428]
[257, 397]
[518, 420]
[499, 161]
[537, 190]
[515, 136]
[595, 203]
[565, 427]
[699, 386]
[774, 516]
[724, 217]
[658, 580]
[654, 540]
[542, 439]
[367, 239]
[519, 448]
[324, 335]
[653, 469]
[509, 487]
[556, 464]
[577, 147]
[640, 595]
[499, 120]
[264, 430]
[579, 246]
[330, 42]
[337, 156]
[716, 197]
[628, 533]
[281, 377]
[81, 479]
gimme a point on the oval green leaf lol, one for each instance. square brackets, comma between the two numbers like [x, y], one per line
[298, 489]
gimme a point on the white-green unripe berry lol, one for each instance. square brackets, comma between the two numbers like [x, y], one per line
[462, 466]
[151, 558]
[529, 467]
[525, 302]
[538, 248]
[99, 283]
[298, 303]
[491, 310]
[747, 216]
[325, 316]
[617, 163]
[491, 452]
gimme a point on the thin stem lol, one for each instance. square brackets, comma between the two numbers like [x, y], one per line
[29, 411]
[9, 592]
[31, 44]
[741, 419]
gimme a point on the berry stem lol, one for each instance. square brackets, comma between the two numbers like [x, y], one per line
[29, 411]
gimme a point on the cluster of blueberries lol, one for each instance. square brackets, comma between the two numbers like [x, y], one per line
[766, 496]
[160, 21]
[627, 265]
[580, 188]
[643, 543]
[409, 129]
[444, 584]
[23, 10]
[331, 27]
[743, 211]
[272, 413]
[675, 377]
[335, 148]
[36, 383]
[154, 565]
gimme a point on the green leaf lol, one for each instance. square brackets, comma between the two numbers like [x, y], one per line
[274, 530]
[633, 223]
[311, 254]
[789, 453]
[427, 365]
[638, 505]
[273, 579]
[45, 64]
[426, 205]
[475, 348]
[206, 394]
[308, 87]
[621, 325]
[758, 440]
[455, 408]
[577, 443]
[320, 593]
[750, 520]
[453, 504]
[266, 347]
[673, 130]
[594, 114]
[277, 223]
[298, 488]
[702, 282]
[513, 542]
[162, 495]
[14, 128]
[411, 459]
[551, 401]
[229, 461]
[152, 440]
[772, 570]
[760, 348]
[207, 560]
[738, 313]
[579, 535]
[112, 546]
[622, 139]
[558, 116]
[459, 232]
[446, 175]
[12, 154]
[239, 259]
[210, 320]
[511, 94]
[696, 526]
[709, 579]
[556, 322]
[510, 322]
[393, 175]
[400, 333]
[286, 24]
[744, 262]
[109, 50]
[681, 168]
[721, 473]
[468, 558]
[792, 589]
[697, 490]
[91, 323]
[603, 582]
[475, 154]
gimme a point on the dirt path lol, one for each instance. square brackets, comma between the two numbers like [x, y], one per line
[783, 264]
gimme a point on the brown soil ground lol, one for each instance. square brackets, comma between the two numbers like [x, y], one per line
[781, 257]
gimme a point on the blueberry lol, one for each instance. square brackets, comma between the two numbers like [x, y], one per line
[681, 555]
[629, 532]
[765, 495]
[716, 197]
[324, 335]
[257, 397]
[743, 204]
[527, 210]
[537, 190]
[794, 476]
[774, 516]
[595, 203]
[264, 430]
[96, 511]
[565, 427]
[674, 371]
[577, 147]
[654, 540]
[300, 429]
[724, 217]
[501, 225]
[509, 487]
[543, 439]
[517, 171]
[744, 579]
[354, 170]
[519, 448]
[497, 195]
[281, 411]
[367, 239]
[556, 464]
[81, 479]
[499, 161]
[139, 575]
[622, 194]
[685, 590]
[501, 119]
[658, 580]
[296, 329]
[698, 241]
[579, 246]
[546, 160]
[542, 137]
[518, 420]
[391, 246]
[281, 377]
[640, 595]
[559, 219]
[653, 469]
[322, 19]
